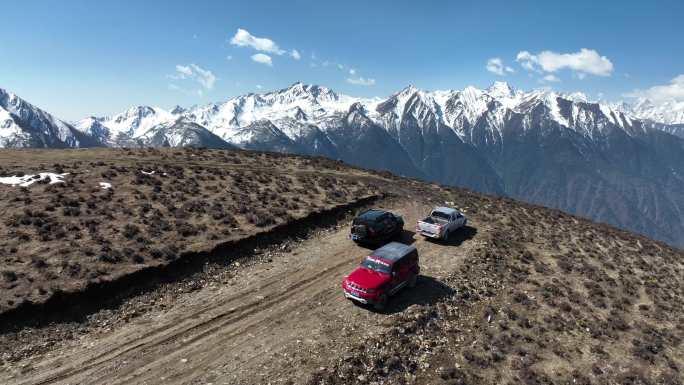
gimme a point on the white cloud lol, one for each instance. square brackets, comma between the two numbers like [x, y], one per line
[353, 73]
[551, 78]
[243, 38]
[586, 61]
[525, 60]
[495, 65]
[258, 86]
[183, 71]
[204, 77]
[263, 59]
[194, 72]
[361, 81]
[229, 57]
[295, 54]
[662, 93]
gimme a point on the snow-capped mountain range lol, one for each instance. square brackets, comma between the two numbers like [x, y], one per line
[25, 125]
[669, 112]
[290, 110]
[293, 110]
[609, 162]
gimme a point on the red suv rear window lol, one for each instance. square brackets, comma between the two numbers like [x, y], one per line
[376, 264]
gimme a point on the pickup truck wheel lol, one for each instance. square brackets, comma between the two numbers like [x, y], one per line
[380, 303]
[412, 281]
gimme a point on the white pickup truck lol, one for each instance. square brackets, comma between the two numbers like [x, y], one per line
[441, 222]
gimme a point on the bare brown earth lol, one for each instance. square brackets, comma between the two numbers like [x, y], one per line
[524, 294]
[163, 204]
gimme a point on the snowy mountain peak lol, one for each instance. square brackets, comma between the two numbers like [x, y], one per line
[10, 100]
[409, 89]
[471, 90]
[177, 110]
[138, 112]
[500, 89]
[408, 92]
[621, 106]
[135, 122]
[25, 125]
[667, 112]
[577, 97]
[358, 107]
[300, 90]
[4, 93]
[643, 103]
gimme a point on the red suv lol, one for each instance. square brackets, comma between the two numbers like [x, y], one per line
[382, 274]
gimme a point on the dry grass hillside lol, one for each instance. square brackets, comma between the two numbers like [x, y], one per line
[524, 295]
[544, 298]
[119, 211]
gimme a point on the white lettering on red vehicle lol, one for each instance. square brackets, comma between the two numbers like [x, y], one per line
[377, 260]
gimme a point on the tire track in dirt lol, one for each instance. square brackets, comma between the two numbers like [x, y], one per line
[239, 330]
[333, 303]
[212, 326]
[163, 330]
[80, 303]
[205, 328]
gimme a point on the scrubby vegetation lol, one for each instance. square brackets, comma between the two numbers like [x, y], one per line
[542, 297]
[547, 298]
[161, 204]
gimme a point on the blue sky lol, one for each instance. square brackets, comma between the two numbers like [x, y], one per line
[79, 58]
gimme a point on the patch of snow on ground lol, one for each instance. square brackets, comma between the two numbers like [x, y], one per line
[27, 180]
[105, 185]
[147, 172]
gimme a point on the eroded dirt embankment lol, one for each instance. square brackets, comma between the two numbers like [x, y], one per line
[113, 212]
[273, 321]
[76, 305]
[524, 295]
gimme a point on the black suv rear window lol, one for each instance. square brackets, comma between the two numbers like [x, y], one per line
[370, 217]
[439, 214]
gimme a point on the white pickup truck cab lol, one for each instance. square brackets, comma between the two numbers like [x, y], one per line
[441, 222]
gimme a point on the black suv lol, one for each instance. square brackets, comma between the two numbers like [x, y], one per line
[376, 226]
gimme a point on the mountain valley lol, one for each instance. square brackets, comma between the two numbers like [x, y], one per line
[592, 159]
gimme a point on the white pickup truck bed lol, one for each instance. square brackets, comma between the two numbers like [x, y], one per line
[441, 222]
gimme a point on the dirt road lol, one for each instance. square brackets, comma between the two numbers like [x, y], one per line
[271, 323]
